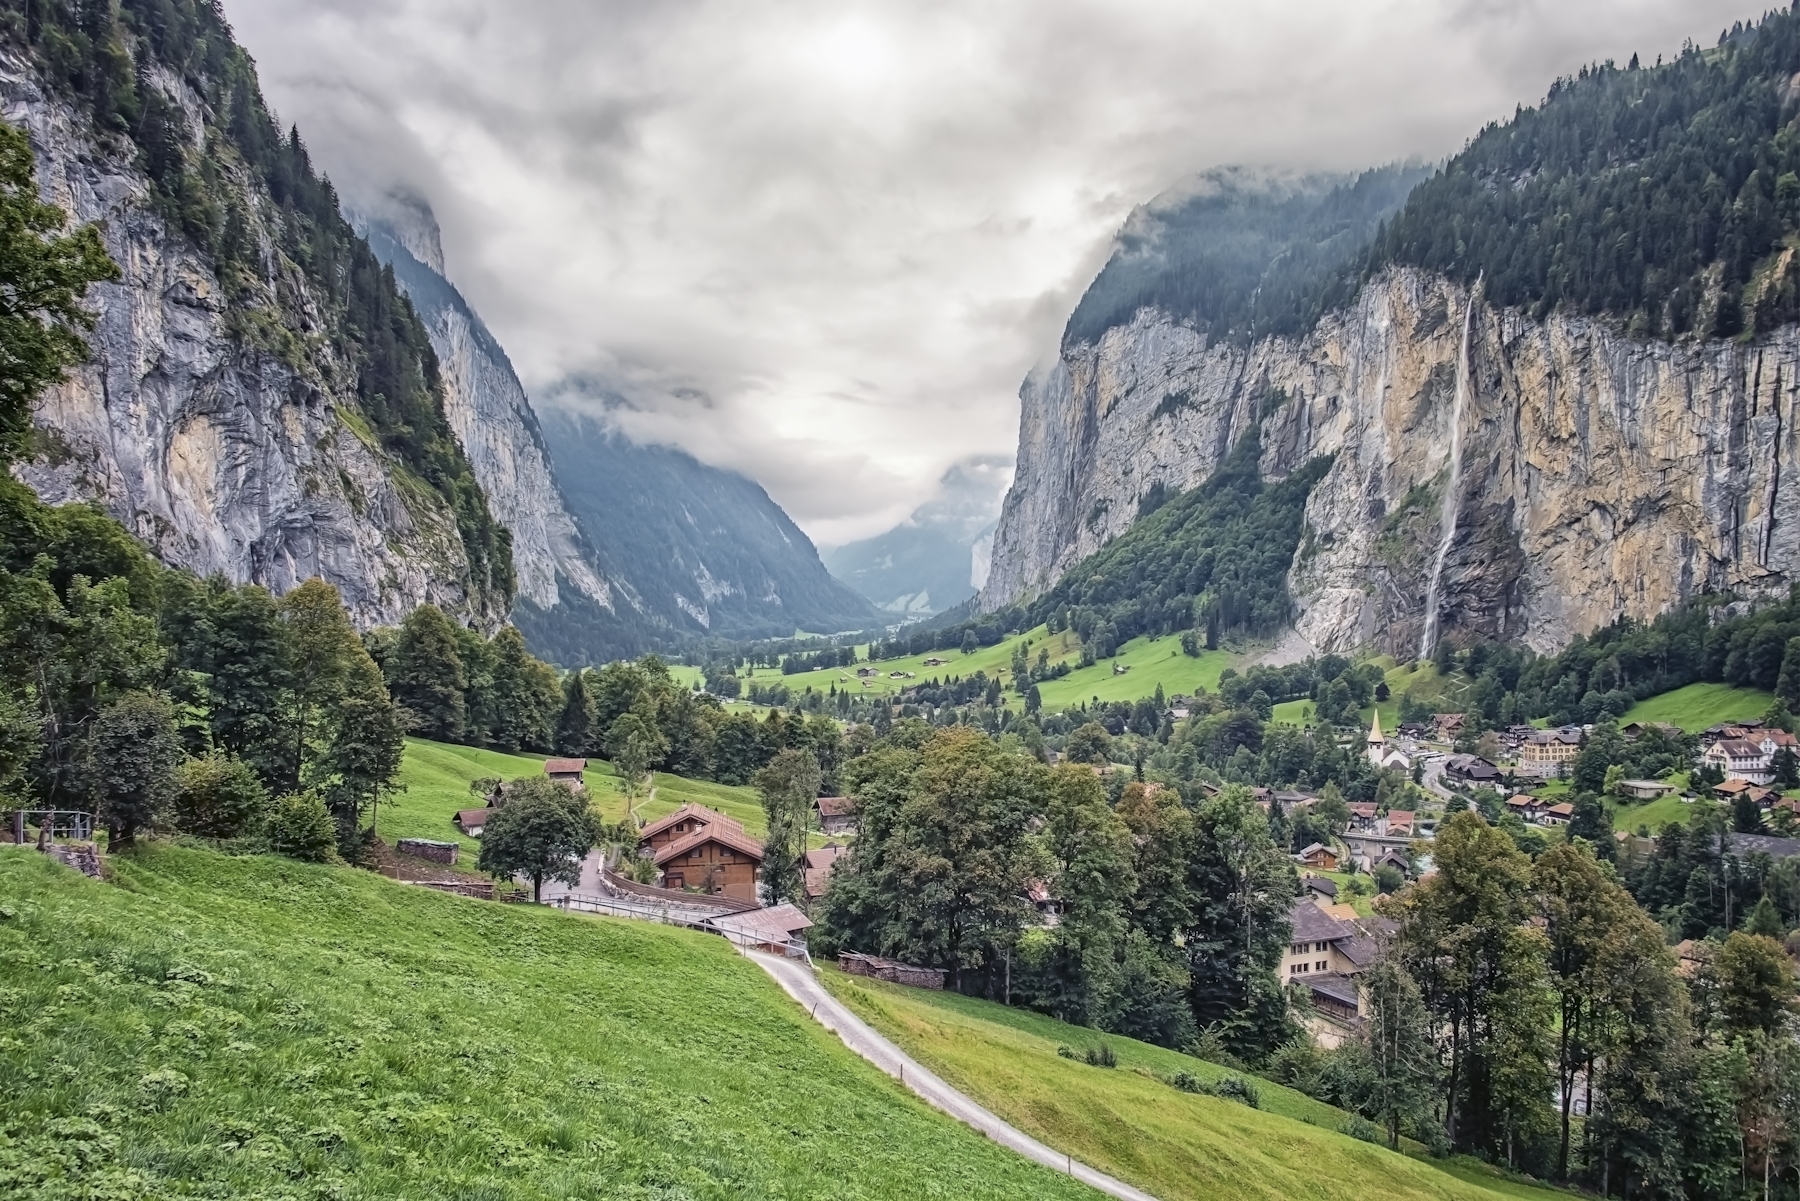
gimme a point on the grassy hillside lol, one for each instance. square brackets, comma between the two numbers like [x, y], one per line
[437, 777]
[1127, 1122]
[1701, 705]
[254, 1027]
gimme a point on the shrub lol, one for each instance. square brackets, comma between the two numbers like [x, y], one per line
[1187, 1082]
[217, 797]
[1101, 1057]
[1237, 1088]
[300, 827]
[1357, 1126]
[1067, 1052]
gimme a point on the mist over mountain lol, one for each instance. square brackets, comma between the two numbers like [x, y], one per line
[938, 557]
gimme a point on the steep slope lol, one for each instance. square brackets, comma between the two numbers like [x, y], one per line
[1600, 470]
[223, 1026]
[689, 549]
[933, 561]
[488, 409]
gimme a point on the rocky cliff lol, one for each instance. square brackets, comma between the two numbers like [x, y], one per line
[222, 439]
[490, 413]
[1601, 475]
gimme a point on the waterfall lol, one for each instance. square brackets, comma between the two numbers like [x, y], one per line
[1452, 489]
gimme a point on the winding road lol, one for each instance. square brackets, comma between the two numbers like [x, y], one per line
[798, 981]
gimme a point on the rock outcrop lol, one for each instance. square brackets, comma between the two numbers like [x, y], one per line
[224, 451]
[490, 413]
[1602, 475]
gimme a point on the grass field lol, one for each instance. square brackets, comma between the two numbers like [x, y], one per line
[1152, 661]
[437, 777]
[1126, 1121]
[254, 1027]
[1654, 814]
[1698, 706]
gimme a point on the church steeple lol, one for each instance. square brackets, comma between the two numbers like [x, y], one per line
[1375, 738]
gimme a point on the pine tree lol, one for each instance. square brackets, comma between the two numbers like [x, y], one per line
[577, 726]
[425, 675]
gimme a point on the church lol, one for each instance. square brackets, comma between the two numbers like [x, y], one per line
[1383, 756]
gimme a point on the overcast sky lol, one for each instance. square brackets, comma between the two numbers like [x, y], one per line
[822, 242]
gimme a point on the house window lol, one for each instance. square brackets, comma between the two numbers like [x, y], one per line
[1320, 966]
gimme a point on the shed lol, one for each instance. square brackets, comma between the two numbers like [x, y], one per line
[837, 815]
[473, 821]
[567, 771]
[892, 970]
[1644, 790]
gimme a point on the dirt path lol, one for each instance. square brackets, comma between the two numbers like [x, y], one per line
[798, 981]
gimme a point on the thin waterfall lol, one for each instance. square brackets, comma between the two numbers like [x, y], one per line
[1453, 489]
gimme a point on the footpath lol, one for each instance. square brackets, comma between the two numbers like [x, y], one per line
[798, 981]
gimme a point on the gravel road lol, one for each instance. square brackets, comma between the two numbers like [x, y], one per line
[798, 981]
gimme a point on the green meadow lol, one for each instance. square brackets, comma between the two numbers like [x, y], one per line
[253, 1027]
[1129, 1122]
[1698, 706]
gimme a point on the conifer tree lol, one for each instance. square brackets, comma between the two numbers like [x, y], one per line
[425, 675]
[577, 727]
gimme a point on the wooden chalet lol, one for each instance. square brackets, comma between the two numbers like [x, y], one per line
[473, 821]
[837, 815]
[1319, 856]
[700, 849]
[818, 869]
[567, 771]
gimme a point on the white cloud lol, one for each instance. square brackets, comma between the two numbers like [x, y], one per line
[821, 242]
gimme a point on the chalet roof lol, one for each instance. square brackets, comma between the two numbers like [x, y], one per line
[1738, 748]
[776, 923]
[818, 879]
[1732, 786]
[1400, 817]
[564, 767]
[836, 806]
[1545, 737]
[711, 817]
[1359, 950]
[1563, 810]
[732, 836]
[1313, 924]
[1311, 847]
[1521, 801]
[473, 817]
[1363, 809]
[1473, 766]
[1320, 885]
[1779, 738]
[824, 856]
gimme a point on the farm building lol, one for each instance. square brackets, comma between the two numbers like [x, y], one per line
[703, 850]
[837, 815]
[473, 821]
[567, 771]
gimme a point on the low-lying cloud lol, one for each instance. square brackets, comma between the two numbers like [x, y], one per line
[821, 242]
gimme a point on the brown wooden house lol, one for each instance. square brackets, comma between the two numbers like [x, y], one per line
[837, 815]
[700, 848]
[567, 771]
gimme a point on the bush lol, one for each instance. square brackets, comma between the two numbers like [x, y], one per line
[1101, 1057]
[1359, 1127]
[300, 827]
[1067, 1052]
[217, 797]
[1187, 1082]
[1237, 1088]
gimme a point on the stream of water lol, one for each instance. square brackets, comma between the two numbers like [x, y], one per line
[1453, 488]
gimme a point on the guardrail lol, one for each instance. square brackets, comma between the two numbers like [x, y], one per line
[722, 924]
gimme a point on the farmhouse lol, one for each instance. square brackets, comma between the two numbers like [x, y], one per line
[818, 869]
[1543, 752]
[567, 771]
[1319, 856]
[473, 821]
[1471, 769]
[837, 815]
[701, 849]
[1557, 815]
[1400, 823]
[1525, 808]
[1449, 725]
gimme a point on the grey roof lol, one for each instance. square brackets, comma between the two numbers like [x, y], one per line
[1764, 844]
[1313, 924]
[1338, 988]
[1359, 950]
[1320, 884]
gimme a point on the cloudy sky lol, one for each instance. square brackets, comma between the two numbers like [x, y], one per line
[821, 241]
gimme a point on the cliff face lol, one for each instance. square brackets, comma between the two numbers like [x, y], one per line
[491, 415]
[1600, 475]
[222, 445]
